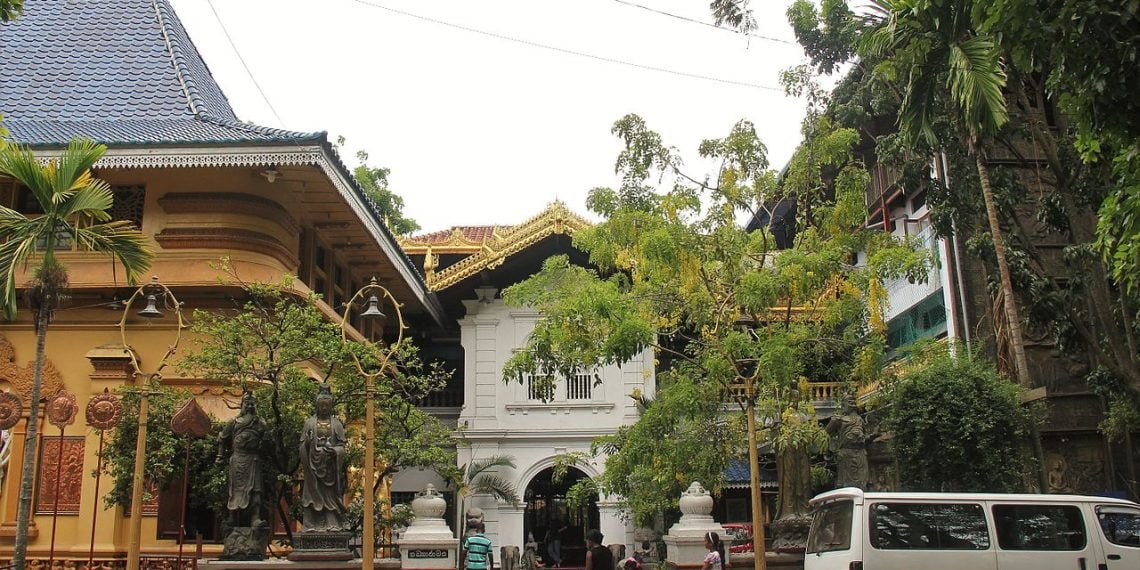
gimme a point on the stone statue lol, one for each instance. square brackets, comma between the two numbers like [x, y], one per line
[849, 443]
[322, 460]
[242, 440]
[471, 517]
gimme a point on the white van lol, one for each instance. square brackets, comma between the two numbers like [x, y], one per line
[853, 530]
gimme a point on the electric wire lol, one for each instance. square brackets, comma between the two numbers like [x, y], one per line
[706, 24]
[248, 72]
[566, 50]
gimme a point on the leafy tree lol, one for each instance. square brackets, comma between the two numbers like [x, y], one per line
[683, 435]
[11, 9]
[1091, 85]
[164, 457]
[374, 181]
[276, 340]
[722, 307]
[75, 212]
[957, 426]
[942, 62]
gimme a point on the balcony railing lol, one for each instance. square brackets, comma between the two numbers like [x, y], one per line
[442, 399]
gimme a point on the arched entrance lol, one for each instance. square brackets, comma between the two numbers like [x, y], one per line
[548, 515]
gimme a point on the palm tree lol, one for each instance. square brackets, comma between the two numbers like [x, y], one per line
[946, 62]
[475, 478]
[75, 212]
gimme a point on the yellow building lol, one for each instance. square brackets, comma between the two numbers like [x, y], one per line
[201, 185]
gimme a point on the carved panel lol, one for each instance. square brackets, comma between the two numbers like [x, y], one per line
[1075, 412]
[70, 475]
[128, 204]
[20, 377]
[1075, 463]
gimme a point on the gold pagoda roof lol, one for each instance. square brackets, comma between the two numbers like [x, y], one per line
[486, 247]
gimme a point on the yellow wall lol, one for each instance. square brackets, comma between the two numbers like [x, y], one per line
[187, 270]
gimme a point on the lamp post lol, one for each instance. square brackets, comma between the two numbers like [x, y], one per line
[155, 294]
[375, 293]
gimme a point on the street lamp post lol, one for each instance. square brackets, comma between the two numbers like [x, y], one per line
[375, 293]
[155, 294]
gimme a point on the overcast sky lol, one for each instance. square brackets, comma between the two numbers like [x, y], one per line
[478, 129]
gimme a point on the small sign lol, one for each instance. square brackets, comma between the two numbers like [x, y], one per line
[1033, 395]
[421, 554]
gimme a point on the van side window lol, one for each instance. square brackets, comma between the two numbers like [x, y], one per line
[1039, 527]
[831, 528]
[928, 526]
[1120, 525]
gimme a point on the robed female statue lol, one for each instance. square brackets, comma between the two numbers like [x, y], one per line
[322, 460]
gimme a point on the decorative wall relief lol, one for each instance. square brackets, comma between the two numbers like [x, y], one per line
[19, 378]
[71, 475]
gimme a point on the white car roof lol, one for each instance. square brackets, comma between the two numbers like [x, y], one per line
[859, 496]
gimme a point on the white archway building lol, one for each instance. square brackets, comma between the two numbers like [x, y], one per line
[511, 418]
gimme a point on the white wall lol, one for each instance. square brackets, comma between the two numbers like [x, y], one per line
[500, 418]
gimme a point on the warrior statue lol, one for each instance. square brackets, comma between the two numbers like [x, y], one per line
[322, 459]
[242, 440]
[849, 443]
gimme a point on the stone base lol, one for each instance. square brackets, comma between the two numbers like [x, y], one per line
[747, 560]
[789, 533]
[246, 543]
[279, 564]
[323, 546]
[430, 554]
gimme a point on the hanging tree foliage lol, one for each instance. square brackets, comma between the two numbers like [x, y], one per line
[731, 317]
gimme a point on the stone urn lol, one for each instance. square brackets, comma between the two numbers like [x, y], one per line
[696, 503]
[428, 541]
[429, 504]
[685, 543]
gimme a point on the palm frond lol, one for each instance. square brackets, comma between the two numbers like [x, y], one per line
[14, 252]
[91, 201]
[478, 466]
[121, 240]
[976, 81]
[73, 202]
[20, 163]
[496, 486]
[73, 170]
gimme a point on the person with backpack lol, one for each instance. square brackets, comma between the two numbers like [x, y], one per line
[477, 553]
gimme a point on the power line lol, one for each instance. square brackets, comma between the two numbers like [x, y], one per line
[568, 51]
[707, 24]
[244, 64]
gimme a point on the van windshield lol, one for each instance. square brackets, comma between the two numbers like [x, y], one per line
[831, 528]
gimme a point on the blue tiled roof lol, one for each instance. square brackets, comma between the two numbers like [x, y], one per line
[118, 71]
[736, 475]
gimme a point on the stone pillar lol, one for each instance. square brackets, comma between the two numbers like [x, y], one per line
[612, 527]
[685, 543]
[510, 529]
[428, 542]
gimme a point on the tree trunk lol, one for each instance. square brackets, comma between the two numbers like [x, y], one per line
[1009, 304]
[754, 479]
[28, 472]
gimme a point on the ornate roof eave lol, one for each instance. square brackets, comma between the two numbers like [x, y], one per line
[319, 155]
[493, 250]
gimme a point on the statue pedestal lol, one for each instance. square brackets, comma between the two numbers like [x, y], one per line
[323, 546]
[685, 543]
[428, 542]
[246, 543]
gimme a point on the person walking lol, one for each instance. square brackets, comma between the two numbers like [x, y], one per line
[477, 549]
[714, 560]
[553, 542]
[598, 556]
